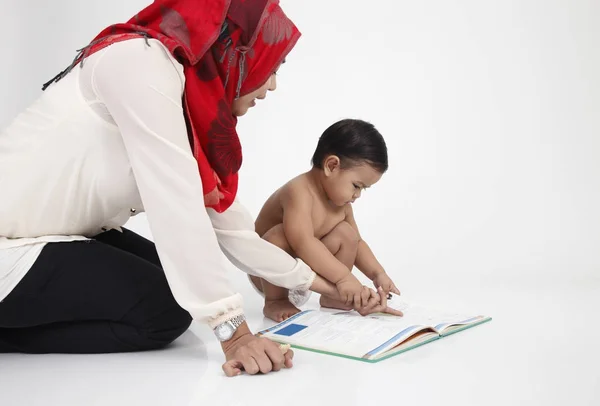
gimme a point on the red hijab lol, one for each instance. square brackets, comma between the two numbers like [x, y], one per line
[228, 48]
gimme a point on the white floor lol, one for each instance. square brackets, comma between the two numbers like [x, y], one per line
[541, 348]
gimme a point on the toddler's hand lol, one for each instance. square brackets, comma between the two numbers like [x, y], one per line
[378, 304]
[383, 281]
[352, 292]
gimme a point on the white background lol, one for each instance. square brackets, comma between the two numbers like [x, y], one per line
[491, 204]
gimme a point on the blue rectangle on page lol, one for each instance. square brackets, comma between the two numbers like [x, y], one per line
[290, 330]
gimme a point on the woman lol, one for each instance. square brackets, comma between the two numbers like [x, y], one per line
[146, 122]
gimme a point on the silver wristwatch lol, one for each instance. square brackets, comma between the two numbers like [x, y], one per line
[225, 331]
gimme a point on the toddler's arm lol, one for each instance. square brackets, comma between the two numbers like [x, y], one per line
[299, 231]
[366, 261]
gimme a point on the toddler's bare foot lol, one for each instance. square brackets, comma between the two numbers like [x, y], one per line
[279, 310]
[333, 304]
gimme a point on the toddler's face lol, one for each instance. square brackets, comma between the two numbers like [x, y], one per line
[344, 186]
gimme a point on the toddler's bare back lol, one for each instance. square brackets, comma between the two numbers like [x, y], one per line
[324, 215]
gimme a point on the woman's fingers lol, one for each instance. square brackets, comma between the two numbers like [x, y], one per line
[250, 365]
[260, 356]
[378, 304]
[382, 296]
[373, 302]
[384, 306]
[289, 356]
[372, 305]
[357, 300]
[232, 368]
[365, 295]
[374, 295]
[392, 311]
[276, 357]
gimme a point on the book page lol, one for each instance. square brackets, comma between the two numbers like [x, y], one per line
[343, 332]
[440, 320]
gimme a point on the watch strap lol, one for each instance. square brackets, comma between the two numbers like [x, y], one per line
[237, 320]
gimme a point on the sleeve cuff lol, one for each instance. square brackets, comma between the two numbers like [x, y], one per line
[219, 311]
[308, 284]
[222, 318]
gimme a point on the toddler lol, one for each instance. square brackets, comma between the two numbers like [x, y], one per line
[311, 217]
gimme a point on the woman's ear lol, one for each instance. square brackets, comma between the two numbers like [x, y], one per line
[331, 165]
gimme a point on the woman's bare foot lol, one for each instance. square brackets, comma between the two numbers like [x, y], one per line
[333, 304]
[280, 309]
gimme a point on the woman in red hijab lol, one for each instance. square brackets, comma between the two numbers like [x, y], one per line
[144, 120]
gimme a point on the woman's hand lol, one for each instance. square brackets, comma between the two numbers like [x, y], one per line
[378, 304]
[246, 352]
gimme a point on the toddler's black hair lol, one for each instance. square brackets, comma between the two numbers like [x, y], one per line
[354, 142]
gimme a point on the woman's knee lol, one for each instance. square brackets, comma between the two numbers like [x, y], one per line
[159, 332]
[158, 318]
[169, 328]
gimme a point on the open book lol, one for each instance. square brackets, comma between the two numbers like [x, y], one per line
[371, 338]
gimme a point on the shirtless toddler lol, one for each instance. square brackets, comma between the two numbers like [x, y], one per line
[311, 217]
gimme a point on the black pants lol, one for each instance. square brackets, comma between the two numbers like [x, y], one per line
[101, 296]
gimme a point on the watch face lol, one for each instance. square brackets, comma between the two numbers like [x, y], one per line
[224, 331]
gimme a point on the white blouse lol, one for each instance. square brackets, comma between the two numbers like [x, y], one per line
[110, 140]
